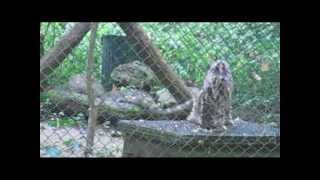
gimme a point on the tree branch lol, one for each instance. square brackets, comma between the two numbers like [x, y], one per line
[151, 57]
[60, 51]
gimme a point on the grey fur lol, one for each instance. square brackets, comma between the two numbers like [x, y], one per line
[212, 108]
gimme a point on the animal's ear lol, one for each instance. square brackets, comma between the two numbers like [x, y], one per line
[216, 62]
[226, 64]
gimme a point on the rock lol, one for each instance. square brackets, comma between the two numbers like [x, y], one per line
[129, 101]
[134, 74]
[115, 134]
[77, 83]
[115, 51]
[165, 99]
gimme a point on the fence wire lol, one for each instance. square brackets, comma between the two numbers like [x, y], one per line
[126, 89]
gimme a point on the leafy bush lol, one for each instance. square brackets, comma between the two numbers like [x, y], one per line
[62, 122]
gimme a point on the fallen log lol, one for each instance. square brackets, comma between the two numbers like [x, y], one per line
[112, 105]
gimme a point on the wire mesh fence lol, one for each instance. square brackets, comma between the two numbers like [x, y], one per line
[161, 89]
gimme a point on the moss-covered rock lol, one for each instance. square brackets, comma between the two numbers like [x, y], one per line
[134, 74]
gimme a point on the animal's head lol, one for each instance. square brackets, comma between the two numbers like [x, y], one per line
[220, 69]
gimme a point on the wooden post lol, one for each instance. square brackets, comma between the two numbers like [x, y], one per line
[91, 96]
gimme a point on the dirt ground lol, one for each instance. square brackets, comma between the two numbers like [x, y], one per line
[71, 142]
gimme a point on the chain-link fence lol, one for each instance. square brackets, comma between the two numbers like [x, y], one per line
[160, 91]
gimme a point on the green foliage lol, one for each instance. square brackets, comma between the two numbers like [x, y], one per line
[44, 97]
[134, 110]
[77, 60]
[68, 142]
[62, 122]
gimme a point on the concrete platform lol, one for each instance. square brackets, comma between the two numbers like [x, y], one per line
[167, 138]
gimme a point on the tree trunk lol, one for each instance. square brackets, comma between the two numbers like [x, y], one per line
[60, 51]
[151, 56]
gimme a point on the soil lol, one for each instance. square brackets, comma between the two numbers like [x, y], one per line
[70, 140]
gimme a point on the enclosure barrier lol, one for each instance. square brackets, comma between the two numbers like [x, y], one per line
[143, 73]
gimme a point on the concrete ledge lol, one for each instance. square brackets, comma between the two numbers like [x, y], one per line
[184, 139]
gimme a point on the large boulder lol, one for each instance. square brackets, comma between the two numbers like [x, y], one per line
[165, 99]
[134, 74]
[115, 51]
[77, 83]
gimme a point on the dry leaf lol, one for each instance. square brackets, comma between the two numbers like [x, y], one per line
[265, 67]
[114, 88]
